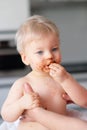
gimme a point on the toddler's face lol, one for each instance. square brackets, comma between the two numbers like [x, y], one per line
[42, 52]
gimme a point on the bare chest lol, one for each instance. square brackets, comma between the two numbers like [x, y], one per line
[50, 94]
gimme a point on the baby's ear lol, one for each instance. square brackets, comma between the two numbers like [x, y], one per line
[25, 59]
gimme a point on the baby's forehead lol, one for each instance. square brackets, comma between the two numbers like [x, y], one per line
[40, 38]
[46, 40]
[33, 35]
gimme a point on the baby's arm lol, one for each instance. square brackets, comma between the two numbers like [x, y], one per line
[16, 103]
[76, 92]
[33, 98]
[55, 121]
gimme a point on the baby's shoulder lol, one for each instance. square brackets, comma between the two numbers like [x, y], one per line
[20, 82]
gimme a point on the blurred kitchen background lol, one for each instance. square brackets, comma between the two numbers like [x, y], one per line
[71, 18]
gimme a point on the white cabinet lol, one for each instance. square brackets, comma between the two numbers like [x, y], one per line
[12, 14]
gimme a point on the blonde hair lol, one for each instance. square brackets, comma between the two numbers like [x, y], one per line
[34, 27]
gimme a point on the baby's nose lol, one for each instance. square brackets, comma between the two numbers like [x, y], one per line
[48, 55]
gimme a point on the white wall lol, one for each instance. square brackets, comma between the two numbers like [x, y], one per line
[13, 13]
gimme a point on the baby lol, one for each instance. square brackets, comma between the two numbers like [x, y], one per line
[38, 43]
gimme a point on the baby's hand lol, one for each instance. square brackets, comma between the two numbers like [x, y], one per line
[30, 99]
[58, 72]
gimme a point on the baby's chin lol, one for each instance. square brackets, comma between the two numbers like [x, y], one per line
[46, 70]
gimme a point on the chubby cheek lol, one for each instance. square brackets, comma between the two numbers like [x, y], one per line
[58, 59]
[37, 66]
[42, 67]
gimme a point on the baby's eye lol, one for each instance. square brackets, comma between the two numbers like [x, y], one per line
[40, 52]
[55, 49]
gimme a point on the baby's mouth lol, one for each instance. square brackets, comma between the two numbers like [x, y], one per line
[51, 63]
[47, 66]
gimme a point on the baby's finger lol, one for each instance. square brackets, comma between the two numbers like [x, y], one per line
[36, 103]
[27, 88]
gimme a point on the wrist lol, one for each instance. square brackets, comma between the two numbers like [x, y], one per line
[34, 113]
[66, 77]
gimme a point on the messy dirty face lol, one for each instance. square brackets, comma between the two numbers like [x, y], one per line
[40, 53]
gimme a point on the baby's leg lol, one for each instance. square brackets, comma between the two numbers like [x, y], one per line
[31, 126]
[77, 114]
